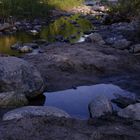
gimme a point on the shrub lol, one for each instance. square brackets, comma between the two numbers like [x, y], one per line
[19, 8]
[33, 8]
[64, 4]
[127, 8]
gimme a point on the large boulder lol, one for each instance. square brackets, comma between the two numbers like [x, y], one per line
[121, 44]
[135, 48]
[5, 26]
[95, 38]
[100, 106]
[132, 112]
[20, 76]
[30, 111]
[12, 99]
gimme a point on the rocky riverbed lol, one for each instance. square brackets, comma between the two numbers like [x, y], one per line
[110, 54]
[34, 128]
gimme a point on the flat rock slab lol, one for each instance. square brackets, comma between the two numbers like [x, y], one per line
[80, 64]
[34, 111]
[52, 128]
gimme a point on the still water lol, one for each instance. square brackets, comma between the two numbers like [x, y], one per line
[75, 101]
[70, 28]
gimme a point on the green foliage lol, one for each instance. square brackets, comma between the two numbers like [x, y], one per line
[33, 8]
[126, 7]
[64, 4]
[19, 8]
[63, 27]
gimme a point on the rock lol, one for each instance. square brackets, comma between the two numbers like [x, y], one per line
[121, 44]
[18, 75]
[79, 59]
[17, 23]
[100, 106]
[33, 32]
[73, 22]
[25, 49]
[14, 28]
[88, 32]
[40, 41]
[124, 101]
[72, 36]
[55, 128]
[16, 46]
[12, 99]
[59, 38]
[34, 111]
[113, 39]
[99, 8]
[132, 112]
[31, 45]
[95, 38]
[135, 48]
[4, 26]
[37, 27]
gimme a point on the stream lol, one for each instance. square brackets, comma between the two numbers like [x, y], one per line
[66, 29]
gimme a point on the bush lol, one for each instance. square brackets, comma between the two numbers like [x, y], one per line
[64, 4]
[19, 8]
[33, 8]
[127, 8]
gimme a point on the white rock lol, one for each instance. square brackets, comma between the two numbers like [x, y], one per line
[25, 49]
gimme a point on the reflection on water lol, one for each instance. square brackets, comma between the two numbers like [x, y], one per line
[66, 27]
[69, 28]
[75, 101]
[7, 41]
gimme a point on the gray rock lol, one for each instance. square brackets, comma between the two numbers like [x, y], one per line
[100, 106]
[40, 41]
[31, 45]
[25, 49]
[16, 46]
[12, 99]
[37, 27]
[123, 102]
[135, 48]
[18, 75]
[34, 111]
[5, 26]
[132, 112]
[95, 38]
[113, 39]
[122, 44]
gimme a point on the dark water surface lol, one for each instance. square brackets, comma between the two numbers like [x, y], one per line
[75, 101]
[68, 28]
